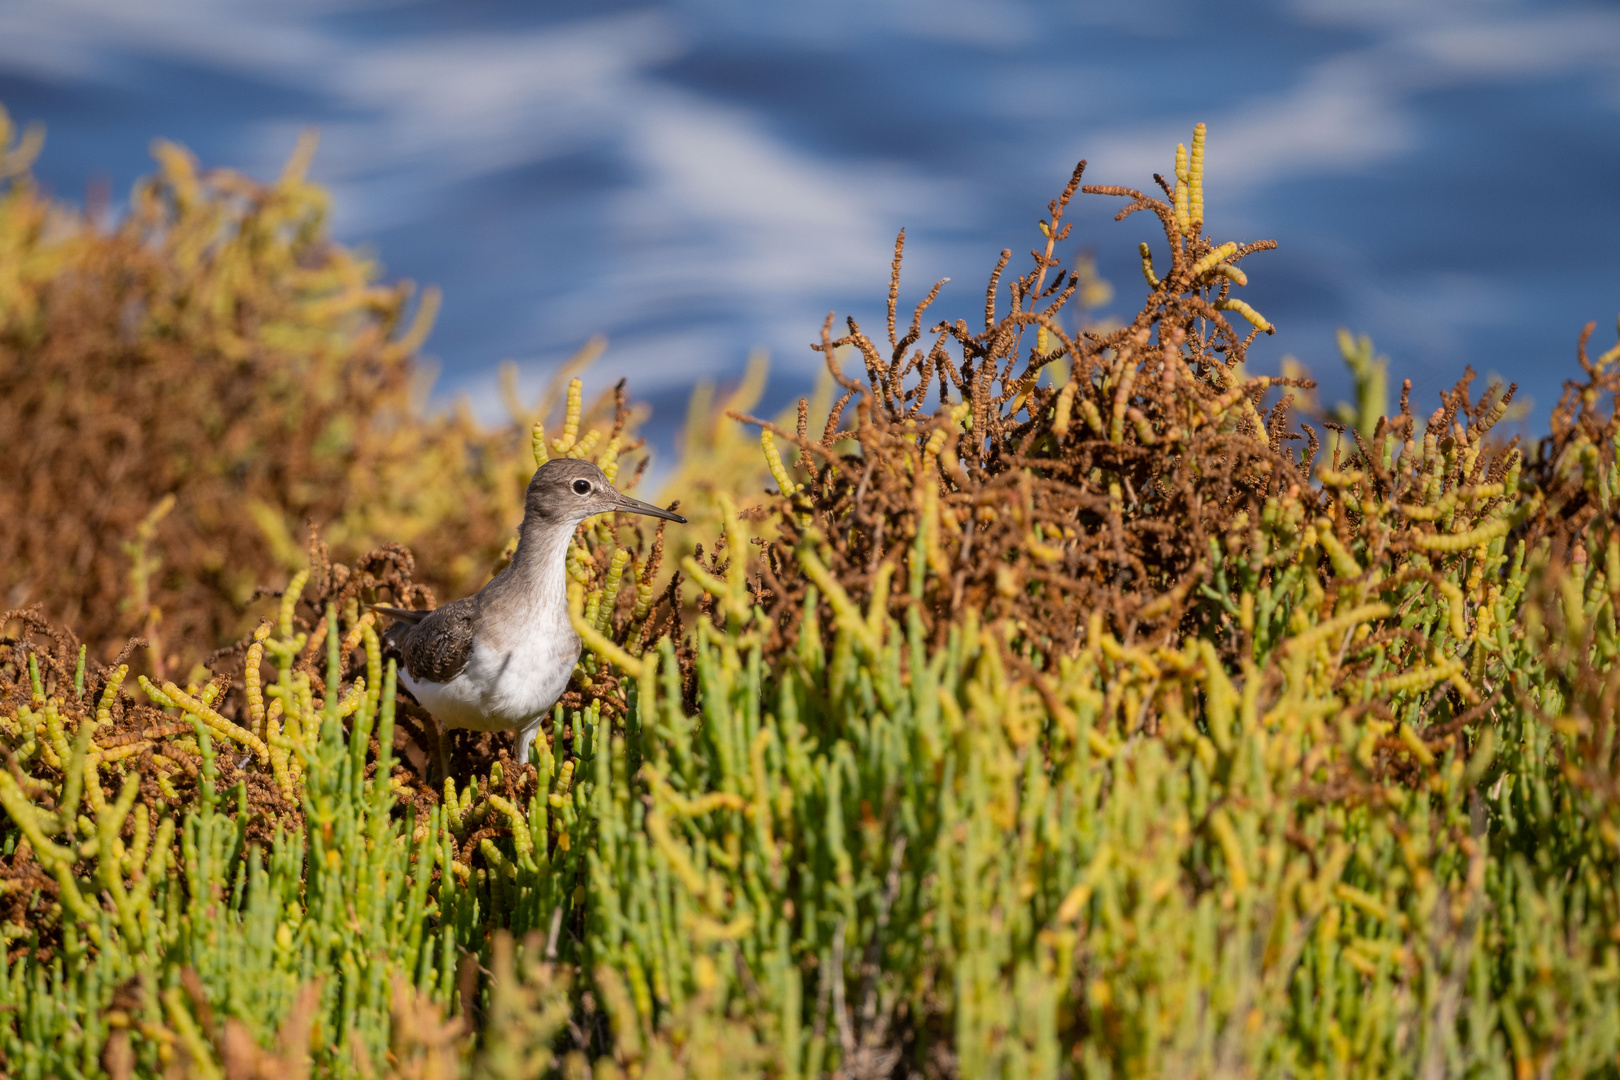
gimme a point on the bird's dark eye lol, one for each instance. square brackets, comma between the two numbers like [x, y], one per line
[582, 487]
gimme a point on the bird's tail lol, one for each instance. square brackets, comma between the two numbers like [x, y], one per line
[404, 615]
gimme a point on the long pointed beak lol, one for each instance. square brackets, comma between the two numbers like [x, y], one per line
[636, 506]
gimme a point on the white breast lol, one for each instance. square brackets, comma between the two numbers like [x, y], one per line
[526, 678]
[500, 689]
[456, 704]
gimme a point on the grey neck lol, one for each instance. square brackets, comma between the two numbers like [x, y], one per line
[534, 588]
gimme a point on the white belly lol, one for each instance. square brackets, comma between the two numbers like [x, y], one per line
[501, 689]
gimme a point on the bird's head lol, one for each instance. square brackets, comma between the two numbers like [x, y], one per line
[566, 491]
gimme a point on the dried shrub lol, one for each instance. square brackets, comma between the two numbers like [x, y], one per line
[1573, 464]
[1078, 472]
[1134, 481]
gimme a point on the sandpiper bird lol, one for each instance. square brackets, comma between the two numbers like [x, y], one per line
[500, 658]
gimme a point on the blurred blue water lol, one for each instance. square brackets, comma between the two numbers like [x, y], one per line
[699, 177]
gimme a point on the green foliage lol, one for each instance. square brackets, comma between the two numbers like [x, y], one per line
[833, 855]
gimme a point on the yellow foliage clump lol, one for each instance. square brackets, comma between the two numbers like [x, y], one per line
[184, 392]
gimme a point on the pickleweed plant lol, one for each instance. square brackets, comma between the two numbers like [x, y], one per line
[1062, 707]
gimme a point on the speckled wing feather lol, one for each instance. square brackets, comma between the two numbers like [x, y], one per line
[437, 647]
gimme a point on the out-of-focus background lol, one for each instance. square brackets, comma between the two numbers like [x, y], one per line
[697, 179]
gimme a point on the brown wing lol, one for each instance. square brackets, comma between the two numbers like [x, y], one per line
[436, 648]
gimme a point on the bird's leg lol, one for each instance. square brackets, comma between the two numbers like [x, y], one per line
[525, 739]
[441, 760]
